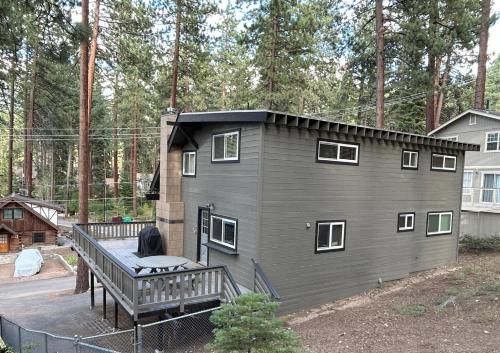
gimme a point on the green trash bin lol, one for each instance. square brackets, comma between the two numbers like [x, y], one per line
[127, 219]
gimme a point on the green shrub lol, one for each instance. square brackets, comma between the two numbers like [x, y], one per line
[410, 309]
[490, 243]
[250, 326]
[71, 260]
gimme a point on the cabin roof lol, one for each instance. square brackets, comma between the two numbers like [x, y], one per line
[7, 229]
[26, 199]
[180, 134]
[486, 113]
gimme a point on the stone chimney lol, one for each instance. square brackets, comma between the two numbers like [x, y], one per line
[170, 208]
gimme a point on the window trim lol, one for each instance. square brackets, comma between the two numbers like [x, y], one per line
[38, 233]
[330, 249]
[470, 119]
[482, 189]
[486, 142]
[238, 146]
[13, 218]
[184, 153]
[444, 169]
[402, 230]
[221, 243]
[427, 234]
[402, 159]
[338, 143]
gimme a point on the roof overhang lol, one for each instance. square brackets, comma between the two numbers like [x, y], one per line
[195, 120]
[467, 112]
[7, 229]
[29, 200]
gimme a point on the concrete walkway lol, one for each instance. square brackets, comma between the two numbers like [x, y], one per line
[49, 305]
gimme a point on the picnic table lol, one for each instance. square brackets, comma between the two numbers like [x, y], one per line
[160, 263]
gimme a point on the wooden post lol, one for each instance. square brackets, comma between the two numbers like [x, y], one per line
[116, 314]
[92, 290]
[104, 302]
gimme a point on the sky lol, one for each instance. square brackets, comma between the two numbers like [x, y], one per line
[494, 34]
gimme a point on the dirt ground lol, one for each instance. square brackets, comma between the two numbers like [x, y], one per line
[50, 269]
[453, 309]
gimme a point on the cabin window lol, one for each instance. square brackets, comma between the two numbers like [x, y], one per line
[406, 222]
[223, 231]
[337, 152]
[12, 213]
[439, 223]
[38, 237]
[330, 236]
[189, 163]
[467, 191]
[451, 138]
[490, 192]
[472, 120]
[409, 159]
[493, 141]
[443, 162]
[226, 147]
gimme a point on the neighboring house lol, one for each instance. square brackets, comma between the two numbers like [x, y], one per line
[327, 209]
[481, 183]
[25, 221]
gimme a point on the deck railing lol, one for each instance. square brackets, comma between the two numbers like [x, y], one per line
[141, 293]
[262, 283]
[481, 197]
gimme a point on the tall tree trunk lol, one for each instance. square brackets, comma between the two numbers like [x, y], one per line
[175, 63]
[28, 156]
[272, 65]
[82, 277]
[91, 64]
[361, 93]
[380, 64]
[432, 72]
[52, 173]
[68, 176]
[133, 168]
[10, 172]
[116, 189]
[483, 55]
[440, 101]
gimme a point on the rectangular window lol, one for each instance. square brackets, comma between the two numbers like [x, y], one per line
[439, 223]
[337, 152]
[223, 231]
[443, 162]
[226, 146]
[409, 160]
[38, 237]
[490, 191]
[468, 191]
[492, 141]
[18, 213]
[12, 213]
[451, 138]
[189, 163]
[472, 120]
[330, 236]
[406, 222]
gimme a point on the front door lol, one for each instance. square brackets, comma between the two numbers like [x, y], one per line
[203, 231]
[4, 243]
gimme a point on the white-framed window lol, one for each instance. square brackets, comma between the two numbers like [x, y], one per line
[439, 222]
[406, 222]
[490, 190]
[409, 159]
[223, 231]
[451, 138]
[467, 189]
[189, 163]
[226, 146]
[492, 141]
[337, 152]
[330, 236]
[472, 120]
[443, 162]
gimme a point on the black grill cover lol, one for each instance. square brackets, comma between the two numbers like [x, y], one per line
[150, 242]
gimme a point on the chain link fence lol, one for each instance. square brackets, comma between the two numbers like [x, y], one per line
[184, 334]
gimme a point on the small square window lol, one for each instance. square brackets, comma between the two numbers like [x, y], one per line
[492, 141]
[38, 237]
[223, 231]
[189, 163]
[443, 162]
[330, 236]
[406, 222]
[409, 159]
[439, 223]
[472, 120]
[226, 147]
[18, 213]
[8, 213]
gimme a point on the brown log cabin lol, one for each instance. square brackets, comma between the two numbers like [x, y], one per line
[26, 221]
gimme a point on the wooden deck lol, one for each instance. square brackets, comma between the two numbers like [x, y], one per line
[124, 250]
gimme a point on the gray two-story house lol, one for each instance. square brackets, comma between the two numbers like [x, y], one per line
[481, 183]
[326, 209]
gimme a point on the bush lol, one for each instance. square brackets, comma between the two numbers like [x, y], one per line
[250, 326]
[410, 309]
[490, 243]
[71, 260]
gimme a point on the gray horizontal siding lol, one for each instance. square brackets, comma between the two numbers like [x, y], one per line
[297, 190]
[233, 189]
